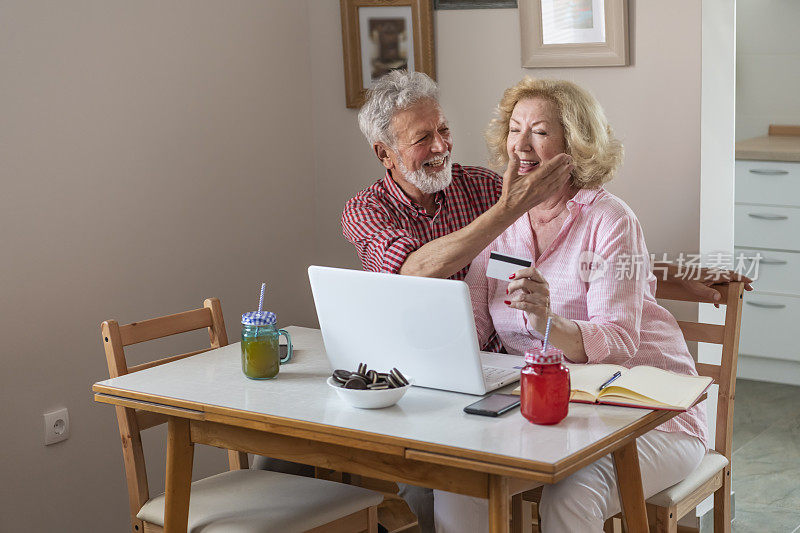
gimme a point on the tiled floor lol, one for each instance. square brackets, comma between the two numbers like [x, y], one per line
[766, 457]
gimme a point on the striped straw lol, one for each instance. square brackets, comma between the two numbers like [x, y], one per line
[546, 334]
[261, 298]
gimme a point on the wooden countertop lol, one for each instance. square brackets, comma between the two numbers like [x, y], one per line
[785, 147]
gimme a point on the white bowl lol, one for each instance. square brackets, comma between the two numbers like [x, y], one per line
[370, 399]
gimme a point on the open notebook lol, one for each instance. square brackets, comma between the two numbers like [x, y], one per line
[641, 386]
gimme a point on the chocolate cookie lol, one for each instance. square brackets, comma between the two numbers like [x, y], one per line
[400, 378]
[355, 383]
[393, 383]
[341, 376]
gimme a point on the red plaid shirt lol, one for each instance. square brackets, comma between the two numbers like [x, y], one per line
[386, 226]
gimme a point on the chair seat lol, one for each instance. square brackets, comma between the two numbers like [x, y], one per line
[259, 501]
[712, 463]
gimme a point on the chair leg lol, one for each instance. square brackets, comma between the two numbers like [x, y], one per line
[516, 513]
[722, 504]
[372, 524]
[237, 460]
[666, 520]
[521, 515]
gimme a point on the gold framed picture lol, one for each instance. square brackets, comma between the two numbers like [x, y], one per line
[383, 35]
[574, 33]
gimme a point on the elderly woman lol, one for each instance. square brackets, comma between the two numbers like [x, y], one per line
[603, 315]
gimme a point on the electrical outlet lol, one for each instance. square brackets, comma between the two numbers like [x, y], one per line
[56, 426]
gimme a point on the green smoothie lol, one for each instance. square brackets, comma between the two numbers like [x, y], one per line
[260, 357]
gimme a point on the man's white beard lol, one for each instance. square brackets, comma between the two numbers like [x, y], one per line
[429, 183]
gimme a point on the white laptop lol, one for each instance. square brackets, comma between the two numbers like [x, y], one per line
[422, 326]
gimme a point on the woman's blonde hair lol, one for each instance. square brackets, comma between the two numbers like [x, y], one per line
[589, 140]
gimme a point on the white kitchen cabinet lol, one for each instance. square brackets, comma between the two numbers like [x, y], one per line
[767, 222]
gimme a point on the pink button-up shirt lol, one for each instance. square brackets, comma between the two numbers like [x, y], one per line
[598, 271]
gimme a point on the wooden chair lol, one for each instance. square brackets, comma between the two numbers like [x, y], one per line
[713, 476]
[250, 500]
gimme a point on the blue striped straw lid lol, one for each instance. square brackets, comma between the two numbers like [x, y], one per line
[259, 318]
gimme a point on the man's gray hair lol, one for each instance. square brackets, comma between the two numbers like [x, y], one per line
[396, 91]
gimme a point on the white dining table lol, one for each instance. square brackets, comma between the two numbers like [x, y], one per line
[426, 439]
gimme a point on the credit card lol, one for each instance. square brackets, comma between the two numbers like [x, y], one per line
[503, 265]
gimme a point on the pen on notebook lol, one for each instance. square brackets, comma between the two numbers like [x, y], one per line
[610, 380]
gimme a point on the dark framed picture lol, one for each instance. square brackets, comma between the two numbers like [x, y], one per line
[473, 4]
[383, 35]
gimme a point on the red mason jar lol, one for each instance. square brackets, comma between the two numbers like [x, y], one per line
[544, 398]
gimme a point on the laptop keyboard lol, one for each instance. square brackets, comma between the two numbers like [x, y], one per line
[493, 374]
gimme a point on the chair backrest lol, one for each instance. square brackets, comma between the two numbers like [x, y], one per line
[727, 335]
[132, 421]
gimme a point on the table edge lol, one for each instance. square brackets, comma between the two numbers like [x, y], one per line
[396, 445]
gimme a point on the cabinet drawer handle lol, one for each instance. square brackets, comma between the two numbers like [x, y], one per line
[766, 216]
[768, 172]
[766, 306]
[765, 261]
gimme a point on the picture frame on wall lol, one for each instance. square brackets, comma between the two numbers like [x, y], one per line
[573, 33]
[383, 35]
[474, 4]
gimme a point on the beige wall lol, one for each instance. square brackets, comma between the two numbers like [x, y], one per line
[767, 65]
[344, 161]
[151, 154]
[154, 153]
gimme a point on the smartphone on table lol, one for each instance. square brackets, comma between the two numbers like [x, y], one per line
[493, 405]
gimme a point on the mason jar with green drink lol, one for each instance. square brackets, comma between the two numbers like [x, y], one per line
[260, 347]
